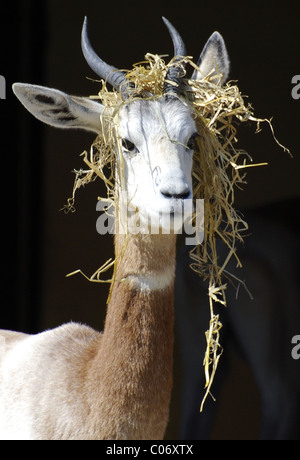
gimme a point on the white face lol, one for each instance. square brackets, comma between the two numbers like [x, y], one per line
[157, 148]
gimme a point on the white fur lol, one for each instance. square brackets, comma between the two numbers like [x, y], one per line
[162, 162]
[58, 109]
[154, 281]
[37, 372]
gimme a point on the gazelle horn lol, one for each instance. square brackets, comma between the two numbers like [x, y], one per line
[174, 72]
[109, 73]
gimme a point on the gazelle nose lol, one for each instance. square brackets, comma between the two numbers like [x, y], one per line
[176, 193]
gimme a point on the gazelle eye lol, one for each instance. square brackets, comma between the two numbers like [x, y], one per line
[192, 143]
[128, 145]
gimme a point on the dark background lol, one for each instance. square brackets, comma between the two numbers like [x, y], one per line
[40, 43]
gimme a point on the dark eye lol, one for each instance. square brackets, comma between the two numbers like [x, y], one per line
[128, 145]
[192, 143]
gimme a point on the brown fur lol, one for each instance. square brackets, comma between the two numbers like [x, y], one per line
[135, 356]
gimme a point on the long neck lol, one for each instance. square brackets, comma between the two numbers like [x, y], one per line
[137, 344]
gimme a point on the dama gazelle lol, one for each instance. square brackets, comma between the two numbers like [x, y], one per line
[76, 383]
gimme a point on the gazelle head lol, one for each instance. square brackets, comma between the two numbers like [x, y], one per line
[158, 134]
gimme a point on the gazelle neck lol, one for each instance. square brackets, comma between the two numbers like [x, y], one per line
[137, 345]
[145, 262]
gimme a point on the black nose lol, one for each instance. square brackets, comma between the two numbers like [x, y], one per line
[183, 195]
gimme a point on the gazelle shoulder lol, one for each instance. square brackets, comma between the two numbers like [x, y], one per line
[70, 338]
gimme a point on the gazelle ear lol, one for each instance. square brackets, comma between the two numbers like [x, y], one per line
[213, 60]
[58, 109]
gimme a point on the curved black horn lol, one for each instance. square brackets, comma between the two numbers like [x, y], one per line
[113, 76]
[174, 72]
